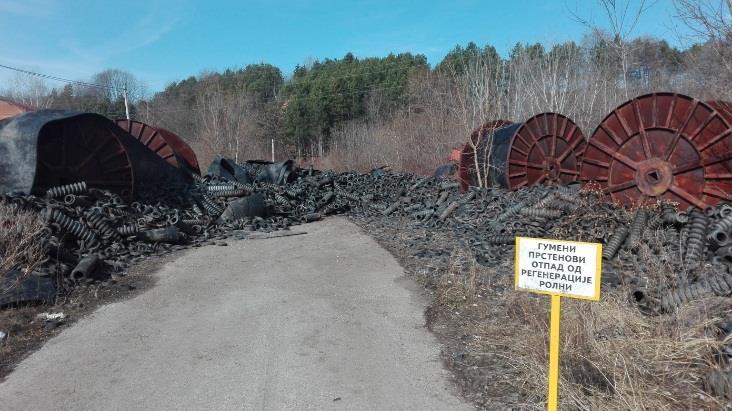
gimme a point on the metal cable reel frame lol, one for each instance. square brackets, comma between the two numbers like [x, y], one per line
[166, 144]
[50, 148]
[723, 107]
[546, 149]
[661, 146]
[466, 174]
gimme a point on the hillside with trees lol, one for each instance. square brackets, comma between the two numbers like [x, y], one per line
[399, 110]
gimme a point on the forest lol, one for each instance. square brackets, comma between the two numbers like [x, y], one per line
[398, 110]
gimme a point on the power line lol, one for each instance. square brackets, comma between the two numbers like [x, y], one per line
[386, 67]
[56, 78]
[150, 107]
[292, 99]
[322, 79]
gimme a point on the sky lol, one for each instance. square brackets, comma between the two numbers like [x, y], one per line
[161, 41]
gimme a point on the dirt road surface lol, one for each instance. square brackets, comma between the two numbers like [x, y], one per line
[316, 321]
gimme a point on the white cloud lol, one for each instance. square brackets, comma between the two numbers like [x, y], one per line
[148, 28]
[78, 58]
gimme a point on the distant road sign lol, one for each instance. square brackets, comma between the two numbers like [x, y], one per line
[564, 268]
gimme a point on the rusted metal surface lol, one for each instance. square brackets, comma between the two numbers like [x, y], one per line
[723, 107]
[546, 149]
[162, 142]
[662, 146]
[455, 154]
[48, 148]
[466, 174]
[10, 108]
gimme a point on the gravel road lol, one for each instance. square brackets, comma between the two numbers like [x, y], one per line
[323, 320]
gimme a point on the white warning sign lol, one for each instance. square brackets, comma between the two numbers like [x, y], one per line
[566, 268]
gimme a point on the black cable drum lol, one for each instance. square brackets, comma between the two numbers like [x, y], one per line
[495, 148]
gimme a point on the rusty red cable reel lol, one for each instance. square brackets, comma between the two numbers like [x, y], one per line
[723, 107]
[166, 144]
[466, 174]
[662, 146]
[546, 149]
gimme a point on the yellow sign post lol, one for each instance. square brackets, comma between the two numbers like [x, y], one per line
[560, 269]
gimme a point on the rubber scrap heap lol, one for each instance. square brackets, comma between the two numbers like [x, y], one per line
[668, 249]
[91, 233]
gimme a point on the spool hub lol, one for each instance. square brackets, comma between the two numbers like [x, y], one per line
[662, 146]
[546, 149]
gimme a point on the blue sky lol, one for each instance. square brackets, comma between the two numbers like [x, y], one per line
[163, 40]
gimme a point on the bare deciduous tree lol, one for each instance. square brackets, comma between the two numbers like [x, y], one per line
[477, 98]
[29, 90]
[708, 19]
[622, 20]
[711, 22]
[114, 82]
[227, 125]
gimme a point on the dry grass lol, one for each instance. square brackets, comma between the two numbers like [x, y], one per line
[368, 146]
[415, 140]
[21, 246]
[612, 356]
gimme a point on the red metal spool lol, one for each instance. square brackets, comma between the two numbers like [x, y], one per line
[162, 142]
[723, 107]
[662, 146]
[546, 149]
[466, 175]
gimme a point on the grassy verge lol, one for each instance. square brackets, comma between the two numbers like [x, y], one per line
[612, 355]
[21, 247]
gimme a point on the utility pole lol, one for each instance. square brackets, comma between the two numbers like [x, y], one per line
[127, 106]
[273, 150]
